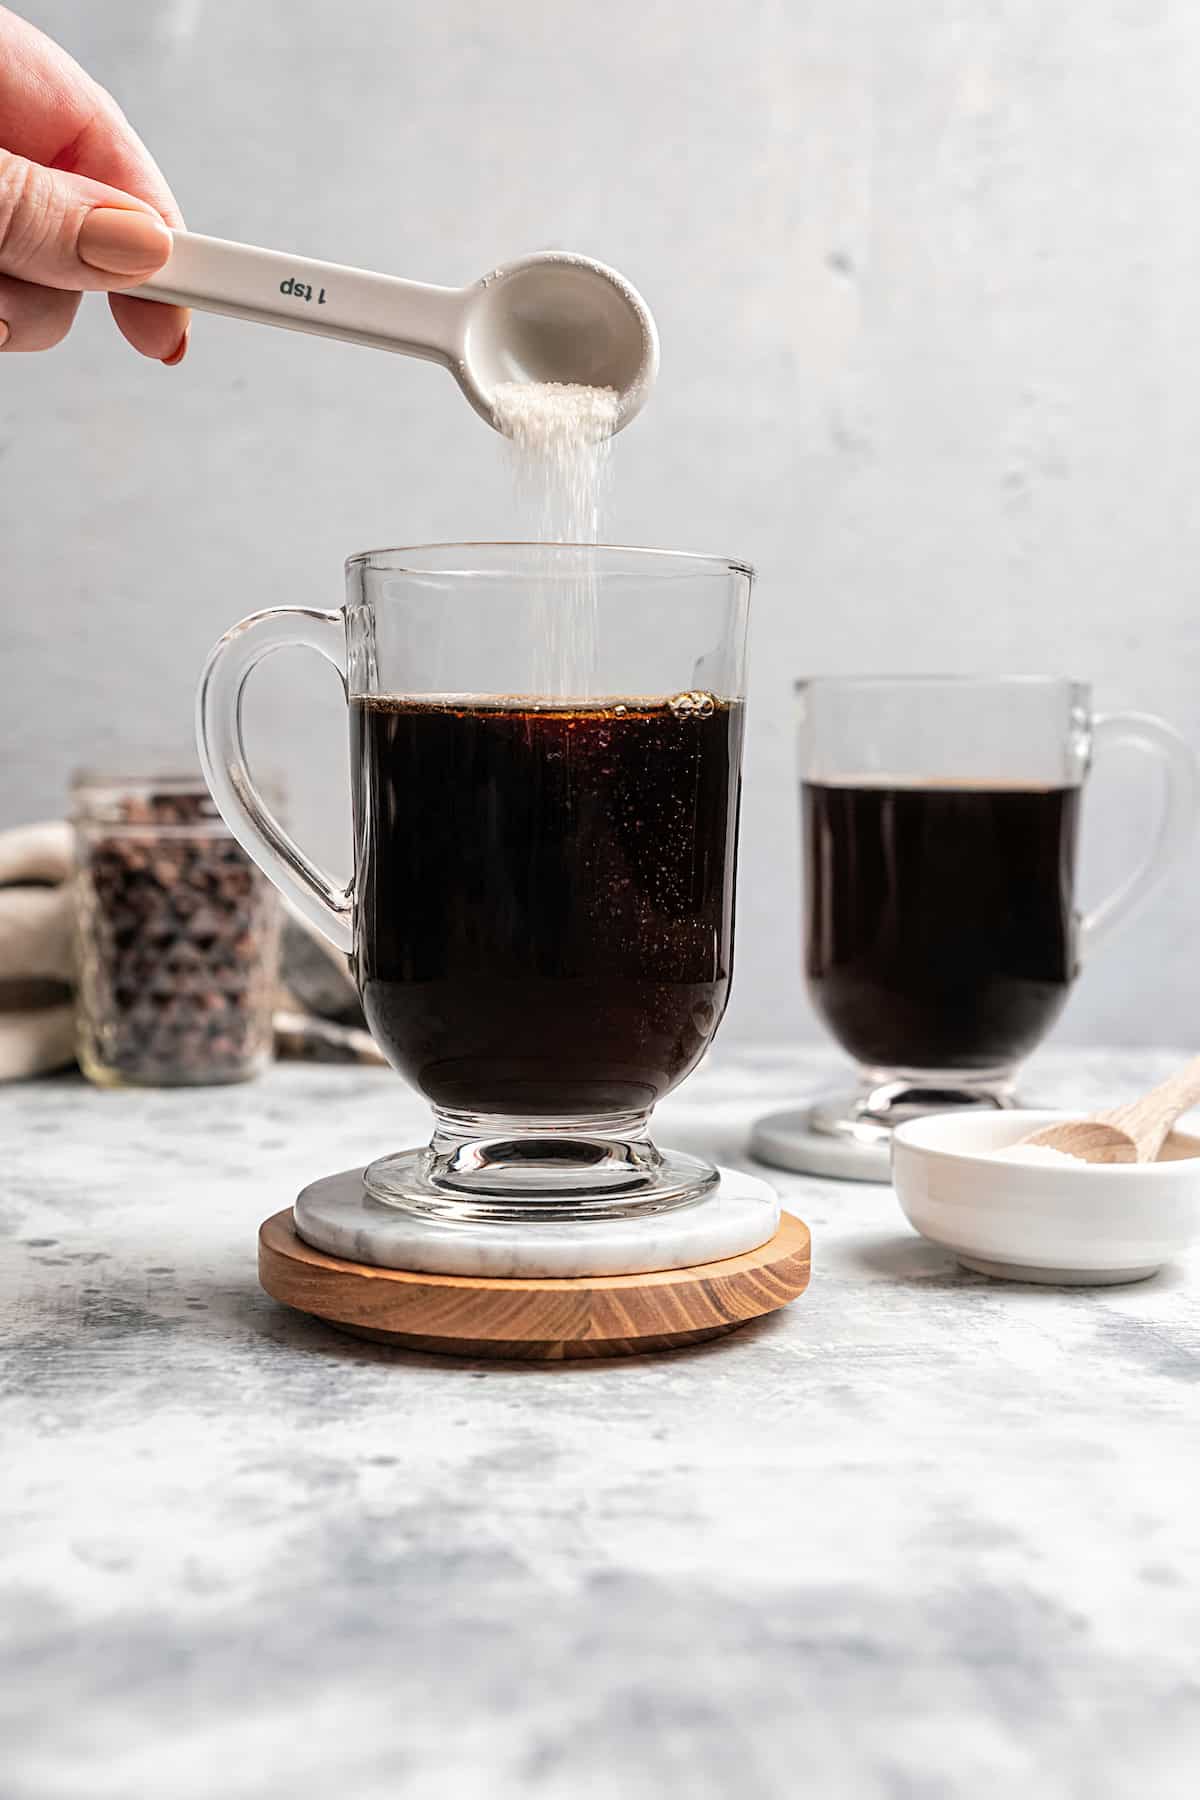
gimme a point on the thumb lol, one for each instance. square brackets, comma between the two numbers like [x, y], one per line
[61, 230]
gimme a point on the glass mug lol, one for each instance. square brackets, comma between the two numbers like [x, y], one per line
[940, 820]
[540, 919]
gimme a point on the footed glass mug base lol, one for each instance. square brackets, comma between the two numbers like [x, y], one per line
[486, 1169]
[848, 1134]
[885, 1098]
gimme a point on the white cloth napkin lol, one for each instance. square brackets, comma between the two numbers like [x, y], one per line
[37, 1030]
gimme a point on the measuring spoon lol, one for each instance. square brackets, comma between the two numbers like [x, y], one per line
[548, 317]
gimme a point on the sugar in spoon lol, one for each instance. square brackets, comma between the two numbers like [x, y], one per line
[548, 317]
[1125, 1134]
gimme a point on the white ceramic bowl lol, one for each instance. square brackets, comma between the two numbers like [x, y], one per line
[1095, 1224]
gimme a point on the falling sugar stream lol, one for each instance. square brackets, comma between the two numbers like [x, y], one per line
[561, 437]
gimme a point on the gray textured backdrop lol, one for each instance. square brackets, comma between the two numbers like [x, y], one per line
[928, 279]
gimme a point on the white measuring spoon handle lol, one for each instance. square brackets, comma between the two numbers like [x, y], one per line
[272, 287]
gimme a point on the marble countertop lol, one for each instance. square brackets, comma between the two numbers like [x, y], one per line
[920, 1536]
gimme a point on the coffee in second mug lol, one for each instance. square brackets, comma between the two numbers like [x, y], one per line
[940, 821]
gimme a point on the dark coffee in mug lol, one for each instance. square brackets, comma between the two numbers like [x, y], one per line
[940, 920]
[544, 895]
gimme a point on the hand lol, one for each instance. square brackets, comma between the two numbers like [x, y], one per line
[82, 204]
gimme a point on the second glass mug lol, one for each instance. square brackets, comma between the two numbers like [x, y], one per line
[540, 918]
[940, 817]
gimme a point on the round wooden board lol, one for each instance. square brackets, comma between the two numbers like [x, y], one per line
[589, 1315]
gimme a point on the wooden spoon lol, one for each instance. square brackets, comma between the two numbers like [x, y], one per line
[1130, 1133]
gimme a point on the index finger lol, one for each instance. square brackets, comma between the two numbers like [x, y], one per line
[54, 113]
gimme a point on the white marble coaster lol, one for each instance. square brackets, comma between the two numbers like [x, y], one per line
[337, 1215]
[787, 1140]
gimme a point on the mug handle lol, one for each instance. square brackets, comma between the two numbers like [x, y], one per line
[1176, 822]
[223, 758]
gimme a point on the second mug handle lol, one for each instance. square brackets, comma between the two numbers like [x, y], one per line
[1181, 800]
[223, 758]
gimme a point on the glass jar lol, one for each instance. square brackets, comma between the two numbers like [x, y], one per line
[177, 936]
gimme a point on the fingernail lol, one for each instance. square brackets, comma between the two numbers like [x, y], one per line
[123, 242]
[3, 334]
[180, 351]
